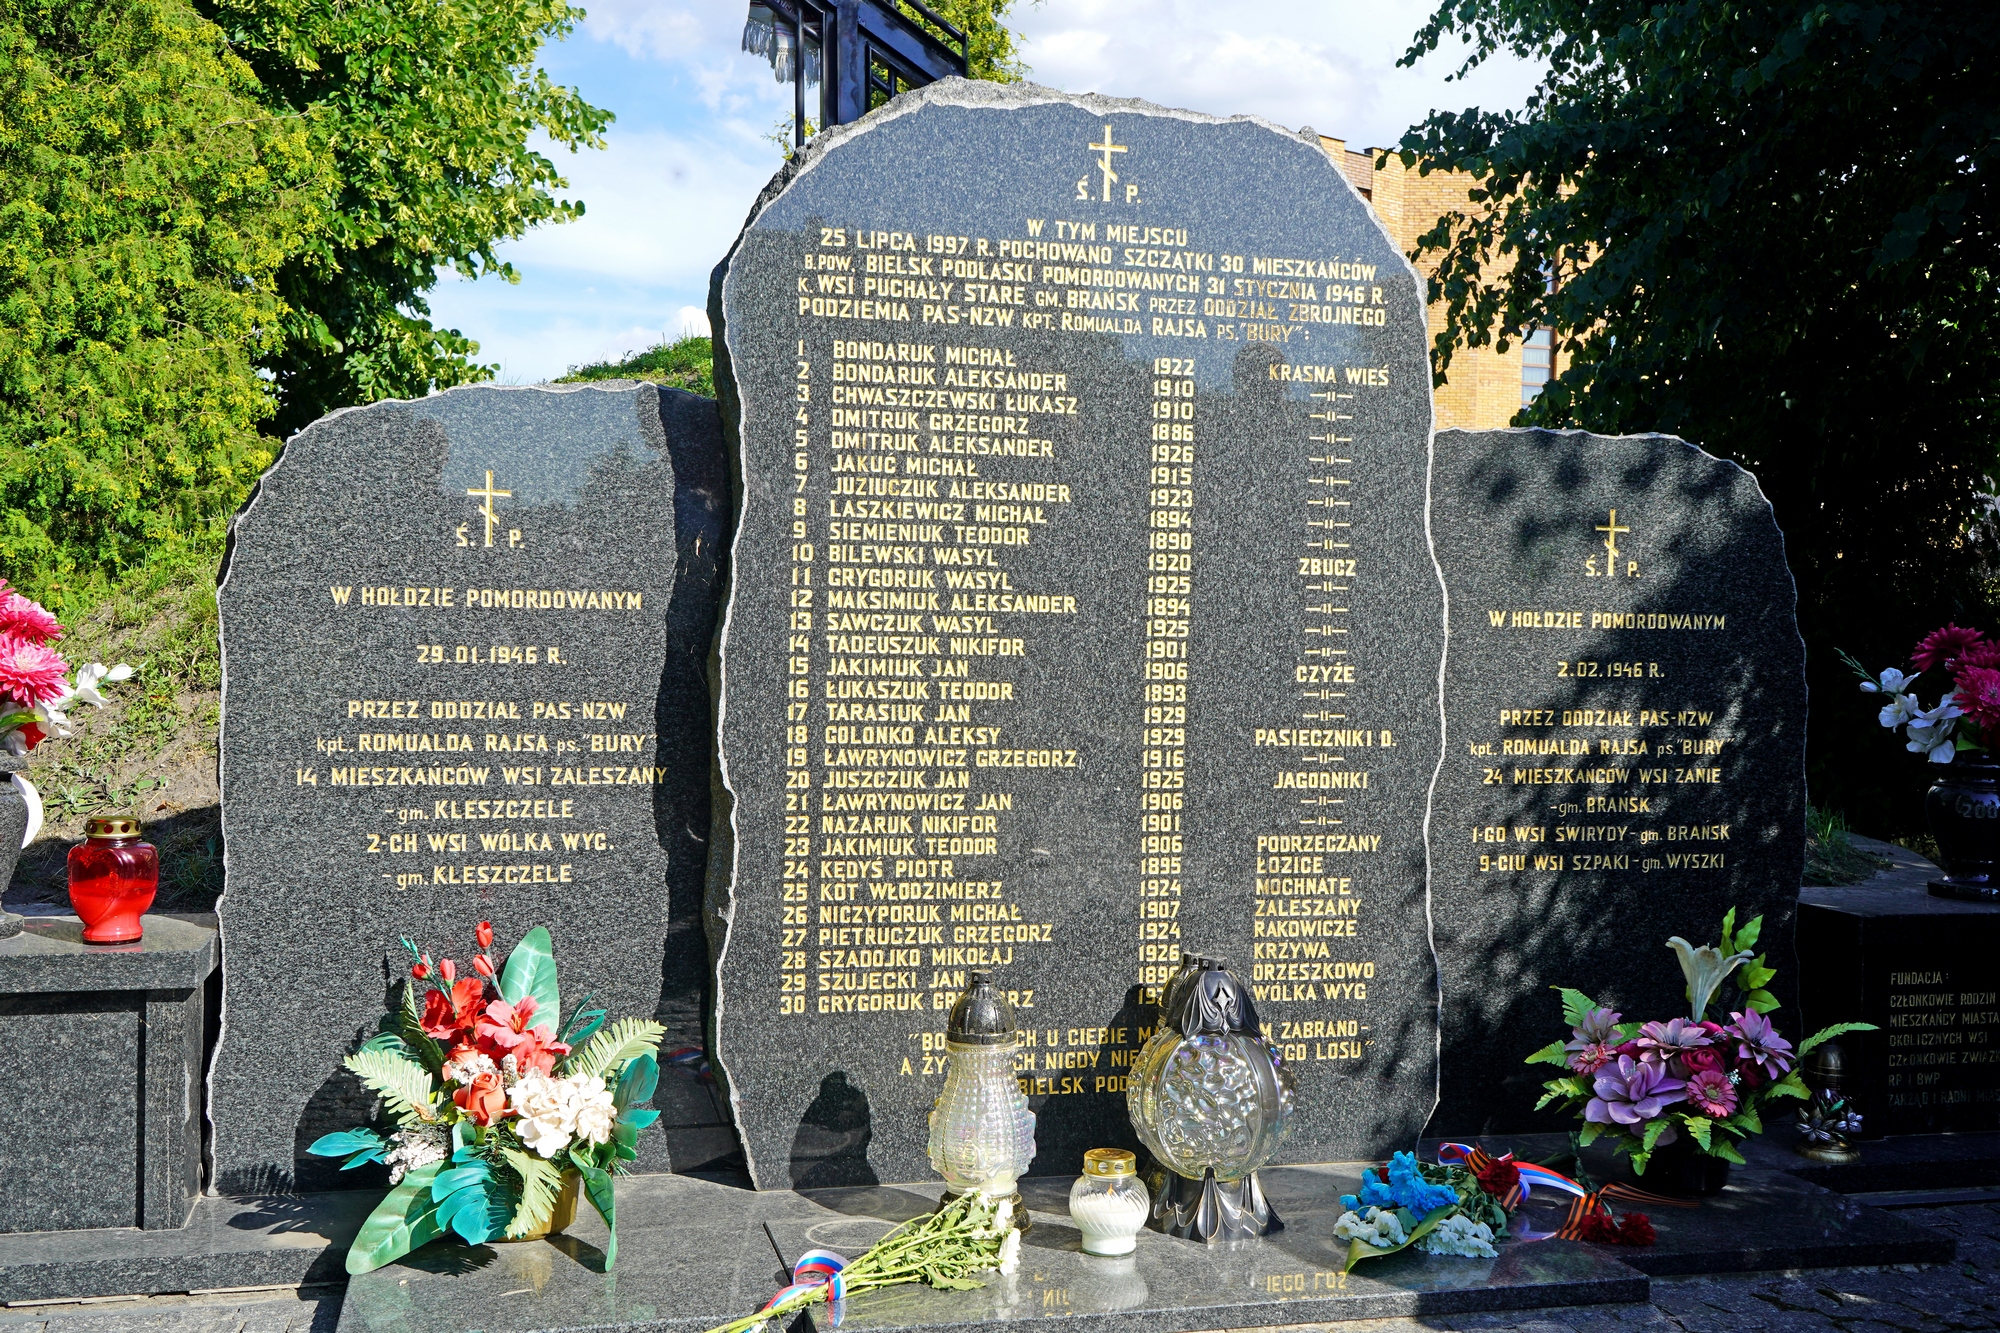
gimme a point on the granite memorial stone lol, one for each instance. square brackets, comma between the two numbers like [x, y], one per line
[465, 647]
[1082, 613]
[1625, 740]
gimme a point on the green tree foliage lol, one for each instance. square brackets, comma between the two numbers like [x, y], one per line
[684, 363]
[426, 111]
[1770, 229]
[990, 49]
[147, 201]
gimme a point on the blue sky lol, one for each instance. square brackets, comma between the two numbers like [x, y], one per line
[688, 151]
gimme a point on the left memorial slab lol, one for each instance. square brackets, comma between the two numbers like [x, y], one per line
[464, 651]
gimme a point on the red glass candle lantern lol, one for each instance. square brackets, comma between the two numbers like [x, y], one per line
[112, 879]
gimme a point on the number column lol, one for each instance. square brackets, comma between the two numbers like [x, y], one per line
[798, 703]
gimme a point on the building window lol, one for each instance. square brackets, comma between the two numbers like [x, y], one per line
[1537, 364]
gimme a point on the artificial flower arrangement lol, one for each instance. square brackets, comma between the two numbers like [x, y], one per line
[1442, 1208]
[1646, 1084]
[1964, 716]
[36, 694]
[947, 1249]
[505, 1109]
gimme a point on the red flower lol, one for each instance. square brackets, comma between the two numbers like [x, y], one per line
[1636, 1229]
[483, 932]
[32, 734]
[1977, 692]
[1942, 646]
[449, 970]
[1599, 1227]
[506, 1025]
[447, 1018]
[482, 1100]
[1500, 1176]
[1700, 1058]
[482, 965]
[421, 969]
[536, 1053]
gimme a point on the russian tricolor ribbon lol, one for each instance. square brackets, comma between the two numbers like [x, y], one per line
[816, 1268]
[1582, 1202]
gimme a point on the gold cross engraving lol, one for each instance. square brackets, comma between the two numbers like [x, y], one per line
[1611, 531]
[1105, 150]
[486, 509]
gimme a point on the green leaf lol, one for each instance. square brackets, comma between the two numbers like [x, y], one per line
[623, 1040]
[1551, 1054]
[405, 1088]
[1746, 1116]
[637, 1083]
[1755, 975]
[1700, 1126]
[1358, 1250]
[639, 1117]
[1789, 1086]
[597, 1188]
[541, 1182]
[531, 970]
[1727, 943]
[1727, 1151]
[1588, 1134]
[1653, 1131]
[405, 1219]
[1640, 1161]
[418, 1044]
[1762, 1001]
[1746, 938]
[1829, 1033]
[347, 1141]
[1575, 1004]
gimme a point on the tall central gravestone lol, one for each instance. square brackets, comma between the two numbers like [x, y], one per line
[464, 643]
[1082, 613]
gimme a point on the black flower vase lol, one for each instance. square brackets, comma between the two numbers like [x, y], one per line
[1681, 1168]
[1963, 810]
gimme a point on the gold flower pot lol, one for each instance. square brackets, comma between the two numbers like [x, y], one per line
[561, 1215]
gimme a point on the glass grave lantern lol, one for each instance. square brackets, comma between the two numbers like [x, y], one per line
[1211, 1100]
[982, 1132]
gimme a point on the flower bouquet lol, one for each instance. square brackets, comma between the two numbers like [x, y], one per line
[973, 1233]
[1646, 1084]
[1446, 1208]
[504, 1110]
[1964, 716]
[35, 691]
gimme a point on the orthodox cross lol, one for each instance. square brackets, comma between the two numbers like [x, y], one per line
[1105, 150]
[1610, 531]
[486, 509]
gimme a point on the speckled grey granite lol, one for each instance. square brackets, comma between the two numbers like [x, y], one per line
[224, 1242]
[886, 822]
[104, 1069]
[1624, 755]
[1923, 970]
[536, 728]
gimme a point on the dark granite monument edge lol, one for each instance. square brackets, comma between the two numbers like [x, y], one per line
[718, 903]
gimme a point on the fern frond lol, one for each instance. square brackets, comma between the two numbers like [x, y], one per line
[614, 1045]
[411, 1027]
[405, 1088]
[540, 1183]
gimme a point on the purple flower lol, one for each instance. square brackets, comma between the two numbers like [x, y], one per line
[1710, 1093]
[1663, 1041]
[1631, 1092]
[1589, 1057]
[1759, 1044]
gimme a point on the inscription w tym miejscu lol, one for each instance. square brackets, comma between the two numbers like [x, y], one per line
[1083, 611]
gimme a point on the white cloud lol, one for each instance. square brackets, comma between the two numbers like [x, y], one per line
[1330, 64]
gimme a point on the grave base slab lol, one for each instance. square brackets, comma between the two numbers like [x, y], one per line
[694, 1254]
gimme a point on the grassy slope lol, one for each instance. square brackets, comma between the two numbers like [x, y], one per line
[152, 753]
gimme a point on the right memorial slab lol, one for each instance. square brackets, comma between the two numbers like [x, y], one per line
[1624, 758]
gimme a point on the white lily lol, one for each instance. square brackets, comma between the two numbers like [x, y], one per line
[1893, 682]
[1705, 969]
[1900, 709]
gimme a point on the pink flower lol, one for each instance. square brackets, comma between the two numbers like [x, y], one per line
[29, 672]
[1759, 1045]
[1942, 646]
[1976, 690]
[1701, 1058]
[506, 1025]
[1591, 1057]
[1985, 654]
[1709, 1091]
[27, 619]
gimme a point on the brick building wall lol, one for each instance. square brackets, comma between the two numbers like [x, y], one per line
[1483, 388]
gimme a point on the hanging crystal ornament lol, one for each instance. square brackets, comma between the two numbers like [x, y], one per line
[1212, 1101]
[982, 1132]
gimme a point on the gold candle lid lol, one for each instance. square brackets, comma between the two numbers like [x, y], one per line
[1110, 1162]
[112, 826]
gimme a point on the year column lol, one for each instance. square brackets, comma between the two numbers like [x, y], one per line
[1163, 740]
[798, 702]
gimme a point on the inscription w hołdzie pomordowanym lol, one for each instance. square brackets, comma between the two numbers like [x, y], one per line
[464, 648]
[1082, 612]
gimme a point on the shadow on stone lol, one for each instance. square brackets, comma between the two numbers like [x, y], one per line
[831, 1146]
